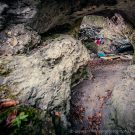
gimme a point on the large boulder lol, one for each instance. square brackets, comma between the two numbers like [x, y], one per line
[119, 114]
[43, 78]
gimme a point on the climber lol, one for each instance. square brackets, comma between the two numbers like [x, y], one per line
[101, 37]
[99, 40]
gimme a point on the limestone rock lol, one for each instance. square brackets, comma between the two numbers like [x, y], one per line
[43, 78]
[14, 41]
[119, 114]
[18, 39]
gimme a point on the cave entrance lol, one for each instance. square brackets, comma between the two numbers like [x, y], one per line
[105, 36]
[111, 52]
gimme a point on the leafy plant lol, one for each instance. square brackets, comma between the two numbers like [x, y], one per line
[28, 120]
[18, 120]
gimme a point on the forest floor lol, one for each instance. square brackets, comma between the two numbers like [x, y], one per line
[89, 96]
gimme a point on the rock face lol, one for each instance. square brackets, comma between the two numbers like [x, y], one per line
[43, 78]
[119, 114]
[18, 39]
[67, 12]
[57, 15]
[16, 12]
[62, 12]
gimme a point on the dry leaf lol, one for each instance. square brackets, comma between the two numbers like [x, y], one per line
[58, 114]
[8, 103]
[11, 117]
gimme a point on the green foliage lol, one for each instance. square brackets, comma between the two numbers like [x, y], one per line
[28, 121]
[4, 114]
[17, 121]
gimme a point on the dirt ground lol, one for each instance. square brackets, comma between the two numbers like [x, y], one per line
[89, 96]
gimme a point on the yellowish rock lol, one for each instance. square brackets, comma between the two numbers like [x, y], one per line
[9, 33]
[14, 41]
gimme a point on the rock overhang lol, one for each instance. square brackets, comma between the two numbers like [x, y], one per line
[44, 15]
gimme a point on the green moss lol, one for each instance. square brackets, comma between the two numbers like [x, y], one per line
[5, 92]
[37, 122]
